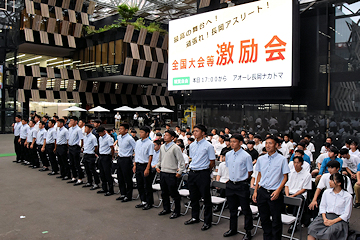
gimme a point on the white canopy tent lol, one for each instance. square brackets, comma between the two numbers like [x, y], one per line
[162, 110]
[98, 109]
[74, 109]
[141, 109]
[124, 109]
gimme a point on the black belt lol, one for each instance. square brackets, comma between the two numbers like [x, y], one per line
[269, 191]
[141, 164]
[196, 171]
[91, 154]
[61, 144]
[104, 154]
[50, 144]
[239, 182]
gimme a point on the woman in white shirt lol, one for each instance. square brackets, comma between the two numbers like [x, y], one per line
[334, 212]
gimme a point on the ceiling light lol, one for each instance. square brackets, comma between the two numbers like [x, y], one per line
[59, 62]
[9, 59]
[27, 60]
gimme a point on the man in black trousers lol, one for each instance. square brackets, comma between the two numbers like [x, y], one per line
[171, 165]
[203, 158]
[268, 193]
[126, 145]
[50, 139]
[61, 149]
[239, 163]
[16, 129]
[106, 153]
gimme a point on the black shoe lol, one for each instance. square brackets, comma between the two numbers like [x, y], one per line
[35, 167]
[175, 215]
[60, 176]
[147, 207]
[79, 183]
[72, 181]
[65, 178]
[94, 187]
[230, 233]
[87, 185]
[205, 227]
[164, 212]
[141, 205]
[52, 173]
[248, 236]
[120, 198]
[126, 199]
[108, 194]
[43, 170]
[101, 191]
[191, 221]
[357, 205]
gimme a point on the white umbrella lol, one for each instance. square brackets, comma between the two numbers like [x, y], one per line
[74, 109]
[162, 110]
[99, 109]
[141, 109]
[124, 109]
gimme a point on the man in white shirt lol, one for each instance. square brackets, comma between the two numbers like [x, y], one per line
[350, 162]
[219, 145]
[323, 148]
[117, 120]
[299, 181]
[258, 145]
[182, 136]
[310, 146]
[287, 145]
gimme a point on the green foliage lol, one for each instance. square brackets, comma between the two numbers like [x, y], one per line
[127, 12]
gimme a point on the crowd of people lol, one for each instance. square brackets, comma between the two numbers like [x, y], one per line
[255, 171]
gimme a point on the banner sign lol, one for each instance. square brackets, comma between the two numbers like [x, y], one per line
[245, 46]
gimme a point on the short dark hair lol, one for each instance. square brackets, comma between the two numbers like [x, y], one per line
[354, 142]
[133, 131]
[257, 136]
[272, 137]
[158, 134]
[171, 132]
[177, 126]
[238, 137]
[180, 140]
[222, 136]
[333, 164]
[227, 139]
[42, 123]
[61, 120]
[37, 116]
[344, 151]
[100, 129]
[327, 145]
[188, 134]
[75, 118]
[300, 151]
[47, 117]
[126, 126]
[191, 139]
[33, 121]
[349, 141]
[18, 116]
[158, 142]
[56, 117]
[334, 149]
[89, 126]
[307, 136]
[65, 117]
[181, 145]
[98, 121]
[302, 144]
[53, 121]
[145, 129]
[182, 130]
[158, 129]
[300, 159]
[251, 142]
[201, 127]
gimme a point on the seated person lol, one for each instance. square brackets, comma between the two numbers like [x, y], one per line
[334, 213]
[251, 150]
[333, 167]
[319, 160]
[301, 146]
[350, 162]
[225, 150]
[333, 152]
[299, 153]
[299, 181]
[357, 188]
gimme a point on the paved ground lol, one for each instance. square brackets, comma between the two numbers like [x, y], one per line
[56, 210]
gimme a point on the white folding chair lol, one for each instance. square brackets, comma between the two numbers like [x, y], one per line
[157, 188]
[290, 219]
[185, 193]
[218, 201]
